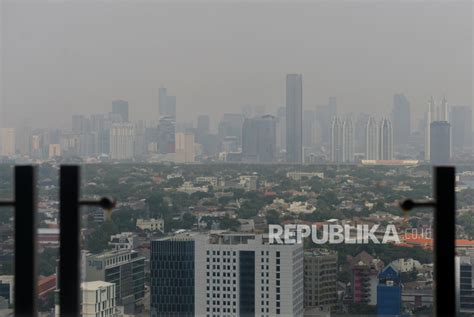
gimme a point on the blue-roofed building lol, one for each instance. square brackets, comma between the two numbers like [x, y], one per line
[389, 292]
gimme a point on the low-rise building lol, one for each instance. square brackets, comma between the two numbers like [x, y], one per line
[124, 268]
[98, 299]
[151, 224]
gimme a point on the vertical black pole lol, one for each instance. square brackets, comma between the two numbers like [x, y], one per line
[444, 241]
[25, 241]
[69, 252]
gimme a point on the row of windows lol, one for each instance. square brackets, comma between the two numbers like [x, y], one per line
[217, 252]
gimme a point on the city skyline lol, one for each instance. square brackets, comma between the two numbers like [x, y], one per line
[220, 70]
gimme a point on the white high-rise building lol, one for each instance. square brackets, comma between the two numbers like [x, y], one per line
[434, 113]
[121, 141]
[385, 140]
[348, 140]
[443, 110]
[98, 299]
[371, 145]
[227, 275]
[185, 152]
[336, 141]
[8, 141]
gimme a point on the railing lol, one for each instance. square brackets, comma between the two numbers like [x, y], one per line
[25, 204]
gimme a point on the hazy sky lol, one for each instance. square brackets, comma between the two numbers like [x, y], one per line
[65, 57]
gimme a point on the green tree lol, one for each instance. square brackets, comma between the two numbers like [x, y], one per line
[227, 223]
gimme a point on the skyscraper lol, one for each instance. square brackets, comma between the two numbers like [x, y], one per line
[347, 140]
[360, 132]
[259, 139]
[385, 140]
[166, 135]
[324, 116]
[337, 141]
[281, 129]
[371, 137]
[434, 113]
[7, 141]
[461, 127]
[203, 124]
[121, 141]
[443, 110]
[294, 118]
[231, 126]
[440, 143]
[225, 275]
[120, 107]
[309, 122]
[167, 104]
[401, 119]
[185, 147]
[172, 272]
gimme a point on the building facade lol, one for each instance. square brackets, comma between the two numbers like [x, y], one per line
[259, 140]
[440, 143]
[228, 275]
[320, 279]
[124, 268]
[385, 140]
[98, 299]
[401, 119]
[121, 141]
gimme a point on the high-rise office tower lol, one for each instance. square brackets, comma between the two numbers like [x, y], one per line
[125, 269]
[166, 135]
[121, 141]
[80, 124]
[167, 104]
[203, 127]
[371, 137]
[281, 129]
[385, 140]
[98, 299]
[337, 137]
[231, 126]
[294, 118]
[461, 127]
[443, 110]
[120, 107]
[185, 147]
[359, 132]
[225, 275]
[139, 144]
[324, 116]
[320, 278]
[465, 282]
[430, 117]
[434, 113]
[440, 143]
[347, 140]
[7, 141]
[401, 119]
[259, 140]
[309, 123]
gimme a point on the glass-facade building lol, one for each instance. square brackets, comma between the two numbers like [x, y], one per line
[172, 278]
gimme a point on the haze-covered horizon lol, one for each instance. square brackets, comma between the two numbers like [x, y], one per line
[72, 57]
